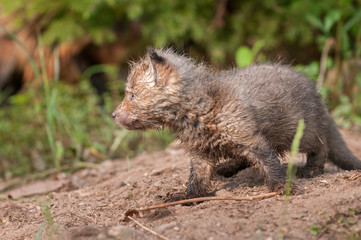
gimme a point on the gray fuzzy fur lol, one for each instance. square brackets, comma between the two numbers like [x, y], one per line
[247, 116]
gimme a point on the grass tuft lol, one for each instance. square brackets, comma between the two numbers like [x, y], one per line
[291, 173]
[294, 151]
[58, 125]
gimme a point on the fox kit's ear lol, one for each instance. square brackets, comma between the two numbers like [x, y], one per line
[162, 70]
[154, 57]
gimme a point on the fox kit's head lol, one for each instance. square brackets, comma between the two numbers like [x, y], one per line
[150, 88]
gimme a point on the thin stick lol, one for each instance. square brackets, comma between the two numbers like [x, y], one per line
[147, 229]
[323, 62]
[130, 212]
[203, 199]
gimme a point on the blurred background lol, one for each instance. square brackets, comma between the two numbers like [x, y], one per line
[63, 65]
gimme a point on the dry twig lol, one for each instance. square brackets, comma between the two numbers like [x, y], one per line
[147, 229]
[355, 176]
[323, 66]
[131, 212]
[218, 20]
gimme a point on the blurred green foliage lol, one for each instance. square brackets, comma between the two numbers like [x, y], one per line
[81, 129]
[214, 27]
[245, 55]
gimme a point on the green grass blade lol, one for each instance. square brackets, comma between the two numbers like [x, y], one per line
[294, 151]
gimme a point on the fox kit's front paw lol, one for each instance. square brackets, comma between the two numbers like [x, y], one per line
[199, 183]
[278, 185]
[197, 187]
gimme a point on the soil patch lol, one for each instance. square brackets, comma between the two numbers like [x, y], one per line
[89, 204]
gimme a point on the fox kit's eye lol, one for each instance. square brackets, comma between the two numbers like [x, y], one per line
[132, 95]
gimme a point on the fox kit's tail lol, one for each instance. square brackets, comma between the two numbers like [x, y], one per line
[338, 153]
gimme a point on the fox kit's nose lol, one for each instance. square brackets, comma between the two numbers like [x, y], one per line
[120, 117]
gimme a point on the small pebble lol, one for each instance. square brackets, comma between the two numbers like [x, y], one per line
[164, 227]
[158, 183]
[223, 193]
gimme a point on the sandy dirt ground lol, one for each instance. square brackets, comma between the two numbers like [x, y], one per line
[90, 203]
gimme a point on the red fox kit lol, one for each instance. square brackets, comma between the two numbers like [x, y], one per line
[248, 116]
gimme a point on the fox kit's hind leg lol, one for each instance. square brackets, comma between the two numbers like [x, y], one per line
[262, 154]
[315, 163]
